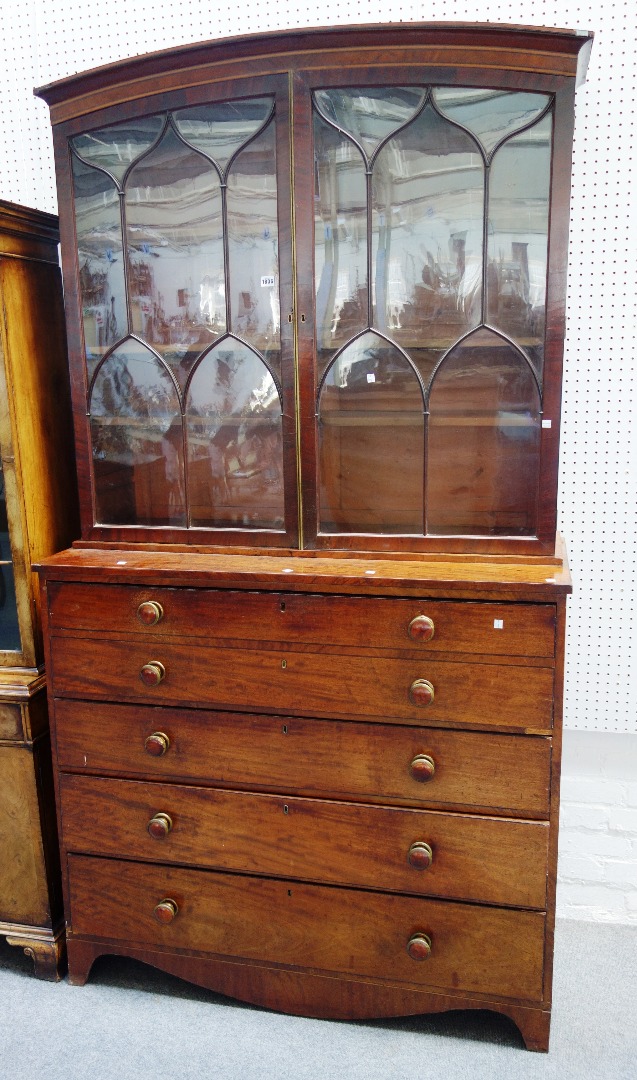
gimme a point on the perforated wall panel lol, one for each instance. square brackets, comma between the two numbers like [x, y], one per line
[41, 42]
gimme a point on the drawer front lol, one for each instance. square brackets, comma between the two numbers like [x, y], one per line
[367, 622]
[503, 773]
[475, 949]
[306, 683]
[411, 851]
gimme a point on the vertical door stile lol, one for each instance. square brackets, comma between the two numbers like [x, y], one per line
[303, 318]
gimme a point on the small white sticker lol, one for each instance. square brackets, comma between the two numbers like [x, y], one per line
[546, 423]
[371, 377]
[498, 624]
[267, 281]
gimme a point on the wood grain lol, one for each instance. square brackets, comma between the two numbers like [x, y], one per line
[480, 949]
[305, 683]
[491, 860]
[368, 622]
[309, 757]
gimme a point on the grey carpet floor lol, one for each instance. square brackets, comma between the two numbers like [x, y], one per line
[133, 1023]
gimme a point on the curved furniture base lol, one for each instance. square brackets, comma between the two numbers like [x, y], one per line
[47, 948]
[302, 994]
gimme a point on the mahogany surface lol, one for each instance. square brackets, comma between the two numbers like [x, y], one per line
[319, 770]
[477, 949]
[309, 757]
[483, 859]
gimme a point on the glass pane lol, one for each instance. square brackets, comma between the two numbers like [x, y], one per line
[175, 252]
[220, 129]
[428, 203]
[491, 115]
[484, 441]
[370, 114]
[9, 628]
[371, 442]
[340, 238]
[137, 437]
[253, 247]
[518, 238]
[235, 443]
[115, 148]
[100, 260]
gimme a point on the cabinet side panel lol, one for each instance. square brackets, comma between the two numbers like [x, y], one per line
[23, 887]
[39, 413]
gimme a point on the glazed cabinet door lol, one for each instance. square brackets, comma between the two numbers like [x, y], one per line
[428, 212]
[329, 299]
[183, 240]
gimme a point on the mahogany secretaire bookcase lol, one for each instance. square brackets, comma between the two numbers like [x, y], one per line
[38, 514]
[306, 661]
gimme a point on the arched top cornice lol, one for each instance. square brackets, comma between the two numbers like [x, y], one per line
[561, 54]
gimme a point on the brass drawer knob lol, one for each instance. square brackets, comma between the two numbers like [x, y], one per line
[156, 744]
[166, 911]
[159, 826]
[150, 612]
[423, 768]
[419, 946]
[421, 628]
[420, 855]
[421, 692]
[152, 673]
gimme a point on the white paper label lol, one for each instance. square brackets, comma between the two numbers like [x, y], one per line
[498, 624]
[371, 377]
[546, 423]
[267, 282]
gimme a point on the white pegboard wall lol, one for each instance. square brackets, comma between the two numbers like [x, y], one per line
[41, 42]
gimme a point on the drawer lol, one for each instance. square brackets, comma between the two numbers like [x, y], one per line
[495, 773]
[361, 621]
[493, 860]
[305, 683]
[474, 949]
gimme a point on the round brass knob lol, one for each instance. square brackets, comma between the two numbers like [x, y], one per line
[159, 826]
[150, 612]
[421, 692]
[419, 946]
[156, 744]
[423, 768]
[165, 911]
[420, 855]
[152, 673]
[421, 628]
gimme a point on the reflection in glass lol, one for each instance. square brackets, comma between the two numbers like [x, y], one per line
[219, 129]
[100, 260]
[9, 628]
[175, 252]
[369, 114]
[491, 115]
[234, 434]
[253, 246]
[427, 225]
[371, 441]
[115, 148]
[483, 441]
[340, 240]
[137, 438]
[518, 238]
